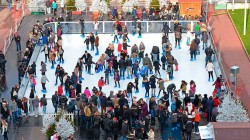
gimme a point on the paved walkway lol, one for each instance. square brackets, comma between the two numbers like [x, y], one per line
[8, 20]
[232, 53]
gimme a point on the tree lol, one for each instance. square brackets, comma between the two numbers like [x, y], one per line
[155, 4]
[71, 5]
[64, 128]
[128, 5]
[99, 5]
[232, 110]
[163, 3]
[81, 5]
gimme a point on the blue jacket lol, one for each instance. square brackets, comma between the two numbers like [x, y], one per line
[173, 106]
[134, 13]
[54, 5]
[210, 105]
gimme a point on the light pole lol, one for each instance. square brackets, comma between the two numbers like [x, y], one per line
[245, 18]
[233, 5]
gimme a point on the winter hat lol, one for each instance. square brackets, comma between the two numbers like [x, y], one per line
[114, 119]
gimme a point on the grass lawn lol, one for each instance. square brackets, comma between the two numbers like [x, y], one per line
[238, 18]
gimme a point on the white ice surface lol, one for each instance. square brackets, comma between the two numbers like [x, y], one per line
[74, 48]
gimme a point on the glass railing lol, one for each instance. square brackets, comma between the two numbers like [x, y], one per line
[106, 27]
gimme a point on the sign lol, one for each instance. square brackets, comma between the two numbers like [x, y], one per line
[206, 132]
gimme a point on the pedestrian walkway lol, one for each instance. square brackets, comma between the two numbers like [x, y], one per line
[8, 20]
[232, 53]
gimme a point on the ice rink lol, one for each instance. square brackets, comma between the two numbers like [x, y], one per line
[74, 47]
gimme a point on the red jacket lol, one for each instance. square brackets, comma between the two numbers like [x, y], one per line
[100, 83]
[60, 90]
[216, 102]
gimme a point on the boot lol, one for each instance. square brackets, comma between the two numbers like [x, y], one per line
[128, 77]
[179, 47]
[115, 86]
[176, 68]
[208, 79]
[191, 59]
[151, 72]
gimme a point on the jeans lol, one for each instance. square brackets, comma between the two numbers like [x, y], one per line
[208, 58]
[107, 79]
[87, 46]
[19, 112]
[122, 72]
[44, 109]
[36, 110]
[193, 54]
[61, 58]
[115, 38]
[55, 106]
[14, 116]
[97, 50]
[92, 47]
[123, 138]
[18, 46]
[56, 78]
[196, 124]
[43, 86]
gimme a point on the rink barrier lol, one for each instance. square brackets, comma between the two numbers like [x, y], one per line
[107, 27]
[69, 116]
[25, 80]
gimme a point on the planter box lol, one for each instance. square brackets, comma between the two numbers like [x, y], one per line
[37, 13]
[76, 12]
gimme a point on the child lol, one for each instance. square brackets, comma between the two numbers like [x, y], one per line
[101, 83]
[183, 87]
[169, 71]
[87, 42]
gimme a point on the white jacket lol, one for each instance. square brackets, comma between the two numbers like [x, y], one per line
[96, 25]
[210, 66]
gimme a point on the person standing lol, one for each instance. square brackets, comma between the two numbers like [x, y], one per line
[18, 42]
[209, 52]
[4, 128]
[55, 100]
[96, 24]
[129, 68]
[122, 66]
[13, 110]
[54, 7]
[117, 79]
[101, 83]
[166, 29]
[189, 128]
[141, 51]
[97, 44]
[147, 87]
[124, 130]
[43, 82]
[81, 22]
[197, 119]
[210, 69]
[193, 48]
[43, 101]
[36, 105]
[86, 41]
[61, 51]
[46, 51]
[92, 41]
[62, 5]
[152, 81]
[136, 84]
[161, 86]
[107, 72]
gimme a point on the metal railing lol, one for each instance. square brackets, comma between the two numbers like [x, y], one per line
[217, 61]
[106, 27]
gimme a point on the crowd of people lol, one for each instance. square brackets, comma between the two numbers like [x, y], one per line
[118, 114]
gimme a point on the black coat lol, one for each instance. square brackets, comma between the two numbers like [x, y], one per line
[115, 64]
[122, 63]
[92, 39]
[78, 88]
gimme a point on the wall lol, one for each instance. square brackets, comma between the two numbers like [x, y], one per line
[237, 6]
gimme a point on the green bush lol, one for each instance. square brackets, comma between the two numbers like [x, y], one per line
[155, 4]
[70, 5]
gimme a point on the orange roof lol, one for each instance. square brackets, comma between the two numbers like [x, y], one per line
[191, 1]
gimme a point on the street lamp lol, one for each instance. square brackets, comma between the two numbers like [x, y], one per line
[245, 18]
